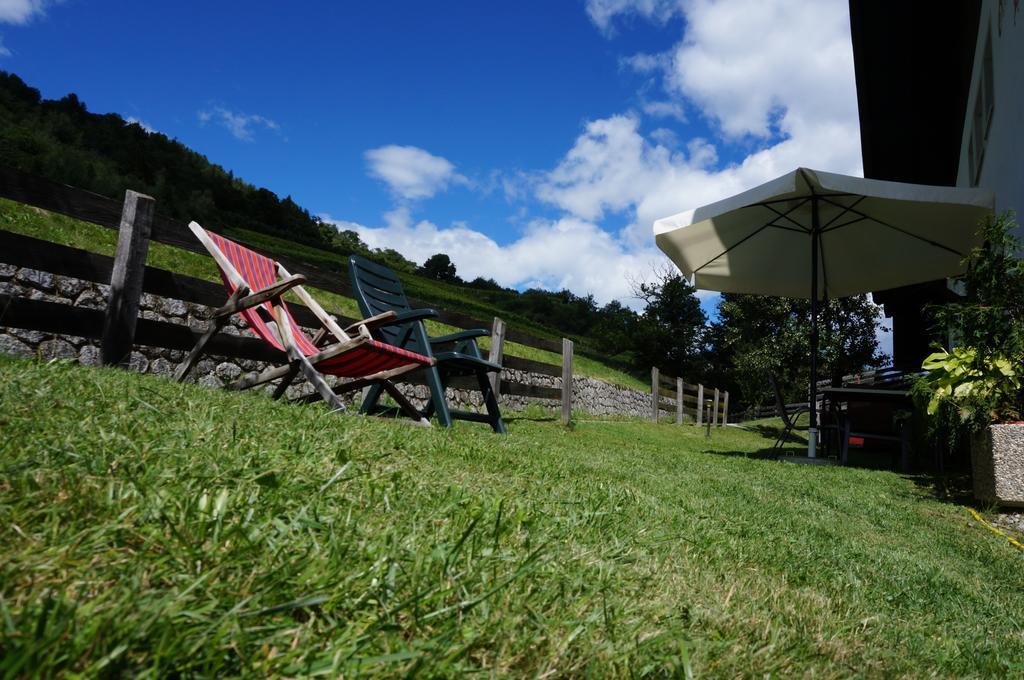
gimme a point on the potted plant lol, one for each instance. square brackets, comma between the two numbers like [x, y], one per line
[975, 389]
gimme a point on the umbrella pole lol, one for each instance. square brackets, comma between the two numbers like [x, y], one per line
[812, 430]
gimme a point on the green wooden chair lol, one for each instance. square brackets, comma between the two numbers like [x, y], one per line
[379, 290]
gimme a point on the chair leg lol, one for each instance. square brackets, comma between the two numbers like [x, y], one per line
[780, 441]
[212, 329]
[437, 397]
[491, 402]
[286, 381]
[370, 401]
[403, 402]
[318, 382]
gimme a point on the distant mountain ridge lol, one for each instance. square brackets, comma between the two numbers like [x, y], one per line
[61, 140]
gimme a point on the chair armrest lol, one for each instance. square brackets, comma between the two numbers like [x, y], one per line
[462, 335]
[384, 319]
[414, 315]
[403, 317]
[260, 296]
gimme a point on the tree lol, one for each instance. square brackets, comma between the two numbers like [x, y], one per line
[669, 332]
[486, 284]
[394, 259]
[348, 242]
[614, 330]
[757, 336]
[440, 268]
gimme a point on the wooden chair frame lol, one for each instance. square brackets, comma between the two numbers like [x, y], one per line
[297, 363]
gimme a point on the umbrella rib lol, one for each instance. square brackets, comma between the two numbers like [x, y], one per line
[738, 243]
[785, 215]
[842, 212]
[787, 228]
[844, 224]
[758, 231]
[902, 231]
[793, 198]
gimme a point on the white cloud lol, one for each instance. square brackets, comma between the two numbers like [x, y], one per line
[21, 11]
[132, 120]
[665, 109]
[240, 125]
[554, 254]
[779, 72]
[614, 168]
[752, 64]
[646, 63]
[601, 12]
[410, 172]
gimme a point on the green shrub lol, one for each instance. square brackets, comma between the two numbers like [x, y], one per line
[978, 381]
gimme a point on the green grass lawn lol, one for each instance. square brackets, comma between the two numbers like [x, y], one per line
[29, 221]
[161, 529]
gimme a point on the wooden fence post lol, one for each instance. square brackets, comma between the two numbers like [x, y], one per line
[126, 279]
[566, 380]
[700, 403]
[497, 353]
[715, 407]
[725, 410]
[679, 401]
[655, 378]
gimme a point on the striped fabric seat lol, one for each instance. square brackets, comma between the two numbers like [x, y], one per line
[260, 272]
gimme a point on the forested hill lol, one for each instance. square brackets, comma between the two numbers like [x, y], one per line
[61, 140]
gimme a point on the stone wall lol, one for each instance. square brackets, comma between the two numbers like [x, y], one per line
[589, 395]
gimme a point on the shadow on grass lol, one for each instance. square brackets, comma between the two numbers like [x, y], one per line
[761, 454]
[766, 431]
[947, 487]
[529, 419]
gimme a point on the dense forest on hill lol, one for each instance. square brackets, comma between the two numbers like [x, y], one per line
[62, 140]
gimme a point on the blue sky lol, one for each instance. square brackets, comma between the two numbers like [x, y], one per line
[535, 142]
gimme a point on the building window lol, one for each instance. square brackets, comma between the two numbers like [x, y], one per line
[981, 121]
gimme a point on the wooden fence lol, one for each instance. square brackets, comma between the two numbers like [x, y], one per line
[691, 401]
[119, 327]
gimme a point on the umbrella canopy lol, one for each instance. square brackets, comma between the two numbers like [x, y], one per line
[872, 235]
[813, 234]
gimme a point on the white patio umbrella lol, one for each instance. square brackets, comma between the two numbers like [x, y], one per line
[812, 234]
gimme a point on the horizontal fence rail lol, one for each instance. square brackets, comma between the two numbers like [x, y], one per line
[137, 224]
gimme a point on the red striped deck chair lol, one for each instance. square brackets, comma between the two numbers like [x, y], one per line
[256, 284]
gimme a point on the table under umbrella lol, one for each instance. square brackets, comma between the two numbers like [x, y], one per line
[812, 234]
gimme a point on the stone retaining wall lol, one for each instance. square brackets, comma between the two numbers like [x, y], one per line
[589, 395]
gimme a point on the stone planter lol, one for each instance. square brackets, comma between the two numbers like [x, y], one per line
[997, 461]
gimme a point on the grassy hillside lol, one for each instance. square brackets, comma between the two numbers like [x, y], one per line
[150, 527]
[62, 140]
[57, 228]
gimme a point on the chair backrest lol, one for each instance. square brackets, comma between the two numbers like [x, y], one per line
[238, 265]
[377, 290]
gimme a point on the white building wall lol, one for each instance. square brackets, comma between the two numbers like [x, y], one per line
[1002, 166]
